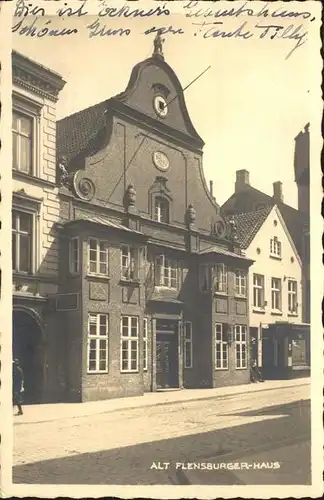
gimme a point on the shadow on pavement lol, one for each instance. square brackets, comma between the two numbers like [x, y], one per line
[133, 464]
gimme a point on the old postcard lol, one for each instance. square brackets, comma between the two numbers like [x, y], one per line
[161, 291]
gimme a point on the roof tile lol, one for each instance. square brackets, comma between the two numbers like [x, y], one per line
[249, 223]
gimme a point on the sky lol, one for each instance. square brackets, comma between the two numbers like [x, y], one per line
[248, 107]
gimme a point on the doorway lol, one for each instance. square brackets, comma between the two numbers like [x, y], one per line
[167, 364]
[27, 346]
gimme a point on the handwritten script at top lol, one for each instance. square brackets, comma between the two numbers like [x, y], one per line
[266, 22]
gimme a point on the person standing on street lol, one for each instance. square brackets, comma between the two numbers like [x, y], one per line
[255, 372]
[17, 386]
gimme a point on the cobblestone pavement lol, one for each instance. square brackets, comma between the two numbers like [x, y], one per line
[120, 447]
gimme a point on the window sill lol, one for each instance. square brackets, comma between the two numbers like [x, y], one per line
[292, 315]
[188, 367]
[103, 277]
[32, 178]
[164, 287]
[101, 372]
[129, 371]
[221, 369]
[240, 368]
[237, 296]
[275, 257]
[223, 294]
[276, 313]
[259, 310]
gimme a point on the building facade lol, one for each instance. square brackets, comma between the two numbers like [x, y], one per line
[246, 198]
[148, 296]
[280, 341]
[35, 209]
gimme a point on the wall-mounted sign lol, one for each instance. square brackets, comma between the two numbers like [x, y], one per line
[67, 302]
[161, 161]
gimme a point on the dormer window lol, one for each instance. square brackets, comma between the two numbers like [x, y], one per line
[162, 210]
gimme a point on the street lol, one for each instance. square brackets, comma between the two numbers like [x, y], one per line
[253, 437]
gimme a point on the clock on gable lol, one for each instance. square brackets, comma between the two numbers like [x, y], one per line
[160, 106]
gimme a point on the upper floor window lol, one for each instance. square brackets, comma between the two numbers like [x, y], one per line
[220, 280]
[292, 296]
[97, 343]
[275, 247]
[22, 142]
[129, 262]
[74, 252]
[98, 256]
[204, 277]
[161, 210]
[276, 294]
[22, 241]
[188, 350]
[258, 290]
[240, 283]
[166, 272]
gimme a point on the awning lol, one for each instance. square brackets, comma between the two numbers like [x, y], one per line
[222, 251]
[103, 221]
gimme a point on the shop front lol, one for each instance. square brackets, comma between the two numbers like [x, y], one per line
[286, 350]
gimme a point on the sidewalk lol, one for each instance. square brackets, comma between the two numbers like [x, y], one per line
[59, 411]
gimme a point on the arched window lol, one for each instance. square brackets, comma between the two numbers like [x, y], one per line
[161, 210]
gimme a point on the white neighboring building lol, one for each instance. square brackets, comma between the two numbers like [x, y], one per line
[279, 341]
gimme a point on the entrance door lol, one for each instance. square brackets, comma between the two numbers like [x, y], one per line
[167, 363]
[28, 348]
[163, 365]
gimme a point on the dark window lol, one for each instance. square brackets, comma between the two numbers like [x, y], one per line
[161, 210]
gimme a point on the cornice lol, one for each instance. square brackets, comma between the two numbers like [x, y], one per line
[35, 77]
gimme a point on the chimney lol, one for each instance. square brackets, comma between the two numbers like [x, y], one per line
[242, 180]
[211, 184]
[277, 191]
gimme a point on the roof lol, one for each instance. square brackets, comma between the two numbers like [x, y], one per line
[247, 199]
[104, 221]
[76, 131]
[249, 223]
[222, 251]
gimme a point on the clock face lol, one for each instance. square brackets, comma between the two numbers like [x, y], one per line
[161, 161]
[160, 106]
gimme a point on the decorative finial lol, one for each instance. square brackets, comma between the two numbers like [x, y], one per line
[191, 215]
[158, 42]
[62, 164]
[233, 229]
[130, 198]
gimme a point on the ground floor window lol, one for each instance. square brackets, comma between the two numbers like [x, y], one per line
[188, 361]
[221, 348]
[129, 343]
[145, 351]
[240, 346]
[298, 352]
[97, 343]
